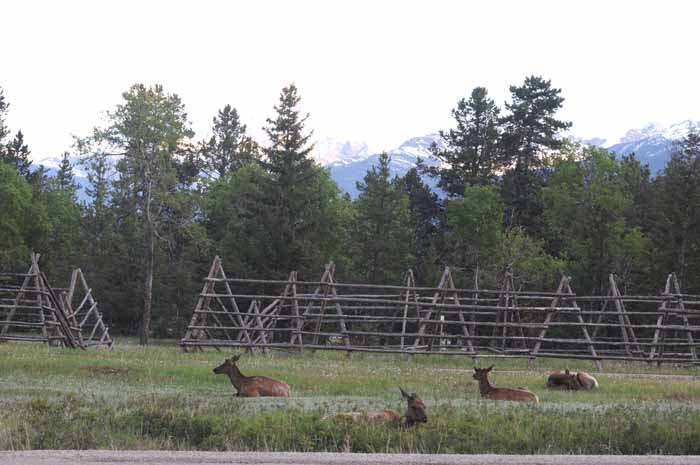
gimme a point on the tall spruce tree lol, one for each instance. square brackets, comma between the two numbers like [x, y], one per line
[64, 177]
[4, 105]
[470, 153]
[382, 238]
[529, 136]
[229, 149]
[15, 151]
[425, 210]
[291, 173]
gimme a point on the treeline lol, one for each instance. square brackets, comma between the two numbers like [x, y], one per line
[518, 195]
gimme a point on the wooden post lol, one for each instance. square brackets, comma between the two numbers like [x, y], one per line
[411, 284]
[465, 328]
[423, 320]
[660, 321]
[684, 317]
[626, 324]
[202, 303]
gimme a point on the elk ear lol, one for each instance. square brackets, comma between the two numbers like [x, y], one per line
[489, 368]
[235, 358]
[404, 394]
[567, 371]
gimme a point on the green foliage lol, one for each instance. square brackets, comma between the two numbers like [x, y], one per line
[149, 129]
[229, 149]
[678, 211]
[15, 198]
[382, 238]
[295, 203]
[529, 133]
[586, 201]
[477, 222]
[425, 211]
[533, 267]
[14, 152]
[471, 151]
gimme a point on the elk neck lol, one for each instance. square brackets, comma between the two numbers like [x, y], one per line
[485, 385]
[235, 375]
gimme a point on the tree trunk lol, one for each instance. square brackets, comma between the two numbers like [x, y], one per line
[148, 290]
[150, 265]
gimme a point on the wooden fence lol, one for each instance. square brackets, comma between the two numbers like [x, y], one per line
[446, 320]
[31, 310]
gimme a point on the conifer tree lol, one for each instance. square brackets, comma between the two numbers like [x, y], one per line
[147, 129]
[64, 176]
[678, 220]
[382, 239]
[529, 135]
[470, 152]
[229, 149]
[291, 174]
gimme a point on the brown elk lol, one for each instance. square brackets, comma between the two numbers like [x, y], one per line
[489, 391]
[251, 386]
[571, 381]
[415, 413]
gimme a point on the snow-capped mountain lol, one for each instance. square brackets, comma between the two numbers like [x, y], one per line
[331, 152]
[403, 158]
[653, 143]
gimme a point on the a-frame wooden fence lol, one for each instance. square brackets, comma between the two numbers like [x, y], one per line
[31, 310]
[258, 315]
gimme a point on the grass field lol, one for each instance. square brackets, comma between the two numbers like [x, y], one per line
[161, 398]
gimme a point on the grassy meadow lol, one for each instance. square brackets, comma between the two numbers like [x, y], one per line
[162, 398]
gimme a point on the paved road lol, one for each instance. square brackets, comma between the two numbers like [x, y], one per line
[265, 458]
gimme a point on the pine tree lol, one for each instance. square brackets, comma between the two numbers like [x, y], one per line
[148, 129]
[529, 135]
[425, 211]
[64, 176]
[4, 130]
[382, 238]
[16, 153]
[291, 173]
[229, 149]
[471, 151]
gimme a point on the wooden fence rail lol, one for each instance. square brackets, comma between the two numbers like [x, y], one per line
[258, 314]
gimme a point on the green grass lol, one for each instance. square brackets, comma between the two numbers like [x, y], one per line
[160, 397]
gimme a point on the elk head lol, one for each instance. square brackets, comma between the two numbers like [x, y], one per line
[481, 373]
[227, 366]
[415, 412]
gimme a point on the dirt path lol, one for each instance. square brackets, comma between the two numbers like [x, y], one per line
[265, 458]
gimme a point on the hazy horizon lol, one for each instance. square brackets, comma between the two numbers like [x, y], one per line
[376, 73]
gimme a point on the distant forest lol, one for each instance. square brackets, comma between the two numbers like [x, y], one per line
[162, 204]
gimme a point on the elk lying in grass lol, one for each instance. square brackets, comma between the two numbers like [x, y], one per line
[489, 391]
[251, 386]
[571, 381]
[415, 413]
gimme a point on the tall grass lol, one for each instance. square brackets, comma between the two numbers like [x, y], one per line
[161, 398]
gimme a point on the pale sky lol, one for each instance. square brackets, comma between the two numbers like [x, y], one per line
[374, 71]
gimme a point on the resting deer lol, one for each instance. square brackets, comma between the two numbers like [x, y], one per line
[572, 381]
[251, 386]
[415, 413]
[489, 391]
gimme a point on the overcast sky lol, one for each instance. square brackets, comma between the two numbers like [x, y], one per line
[374, 71]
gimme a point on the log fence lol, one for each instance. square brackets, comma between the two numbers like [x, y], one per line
[31, 310]
[259, 315]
